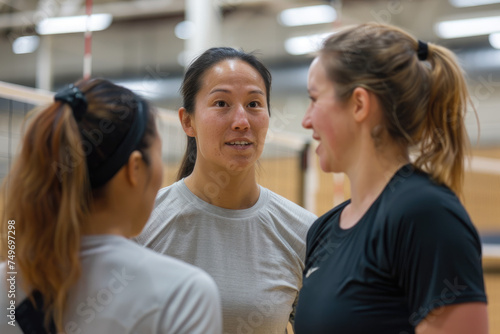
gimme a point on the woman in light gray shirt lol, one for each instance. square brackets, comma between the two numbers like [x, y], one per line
[85, 181]
[216, 216]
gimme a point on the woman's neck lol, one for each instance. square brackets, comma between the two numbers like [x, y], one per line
[368, 178]
[235, 190]
[111, 214]
[107, 222]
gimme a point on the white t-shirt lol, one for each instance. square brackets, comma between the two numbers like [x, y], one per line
[125, 288]
[256, 255]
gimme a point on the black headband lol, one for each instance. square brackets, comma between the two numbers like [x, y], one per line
[423, 50]
[105, 171]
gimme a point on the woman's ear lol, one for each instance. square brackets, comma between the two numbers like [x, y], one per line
[133, 168]
[361, 101]
[186, 122]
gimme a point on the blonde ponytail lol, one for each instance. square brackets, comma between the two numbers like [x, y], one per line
[49, 190]
[444, 141]
[423, 94]
[47, 194]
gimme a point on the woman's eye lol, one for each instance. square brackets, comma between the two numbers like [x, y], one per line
[254, 104]
[220, 103]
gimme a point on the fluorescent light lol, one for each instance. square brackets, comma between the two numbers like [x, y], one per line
[154, 86]
[307, 15]
[468, 27]
[472, 3]
[184, 29]
[305, 44]
[495, 40]
[25, 44]
[71, 24]
[146, 88]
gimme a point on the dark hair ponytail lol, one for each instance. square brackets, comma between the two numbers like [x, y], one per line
[48, 192]
[191, 85]
[189, 159]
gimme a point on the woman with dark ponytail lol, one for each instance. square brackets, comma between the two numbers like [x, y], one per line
[217, 217]
[85, 181]
[402, 255]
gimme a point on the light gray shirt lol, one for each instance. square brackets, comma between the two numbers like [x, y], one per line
[254, 255]
[125, 288]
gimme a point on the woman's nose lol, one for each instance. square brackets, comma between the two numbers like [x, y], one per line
[240, 121]
[306, 121]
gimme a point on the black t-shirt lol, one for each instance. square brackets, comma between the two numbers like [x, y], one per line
[413, 251]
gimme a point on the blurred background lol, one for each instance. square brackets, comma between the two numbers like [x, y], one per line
[146, 44]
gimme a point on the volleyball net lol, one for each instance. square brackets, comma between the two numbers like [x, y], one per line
[287, 166]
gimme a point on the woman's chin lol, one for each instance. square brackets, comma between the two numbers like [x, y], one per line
[240, 165]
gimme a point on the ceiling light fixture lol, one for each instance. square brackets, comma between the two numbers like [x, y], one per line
[305, 44]
[495, 40]
[472, 3]
[25, 44]
[307, 15]
[468, 27]
[72, 24]
[185, 29]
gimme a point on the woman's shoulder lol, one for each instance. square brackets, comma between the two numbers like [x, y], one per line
[169, 202]
[417, 192]
[287, 219]
[285, 206]
[158, 261]
[168, 277]
[140, 282]
[417, 204]
[130, 262]
[170, 192]
[287, 215]
[118, 251]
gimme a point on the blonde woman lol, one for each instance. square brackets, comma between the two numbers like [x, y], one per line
[401, 256]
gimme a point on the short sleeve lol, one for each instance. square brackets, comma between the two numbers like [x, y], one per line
[195, 308]
[438, 255]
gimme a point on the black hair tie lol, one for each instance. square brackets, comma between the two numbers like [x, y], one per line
[423, 50]
[73, 96]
